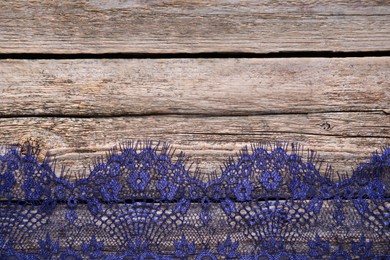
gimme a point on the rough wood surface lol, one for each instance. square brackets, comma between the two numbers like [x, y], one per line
[342, 139]
[94, 26]
[78, 109]
[193, 86]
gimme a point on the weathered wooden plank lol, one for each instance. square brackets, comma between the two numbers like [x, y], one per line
[193, 86]
[92, 26]
[342, 139]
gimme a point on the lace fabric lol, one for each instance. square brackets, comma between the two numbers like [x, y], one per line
[141, 201]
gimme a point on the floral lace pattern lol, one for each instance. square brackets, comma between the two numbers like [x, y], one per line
[142, 202]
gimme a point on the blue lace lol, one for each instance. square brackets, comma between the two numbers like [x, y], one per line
[141, 201]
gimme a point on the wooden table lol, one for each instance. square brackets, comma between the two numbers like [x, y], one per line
[209, 77]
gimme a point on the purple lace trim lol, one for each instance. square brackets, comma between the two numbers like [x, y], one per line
[142, 202]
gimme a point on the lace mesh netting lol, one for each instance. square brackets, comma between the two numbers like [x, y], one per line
[142, 202]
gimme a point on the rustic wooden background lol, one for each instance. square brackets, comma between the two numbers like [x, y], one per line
[78, 77]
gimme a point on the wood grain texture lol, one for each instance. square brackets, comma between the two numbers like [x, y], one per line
[209, 141]
[78, 109]
[104, 87]
[94, 26]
